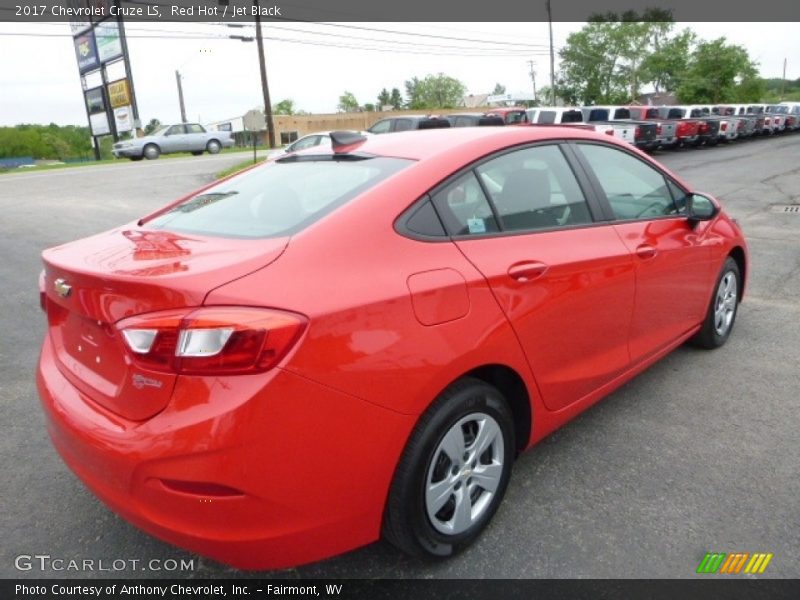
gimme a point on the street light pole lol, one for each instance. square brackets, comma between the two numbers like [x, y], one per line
[180, 96]
[263, 65]
[552, 56]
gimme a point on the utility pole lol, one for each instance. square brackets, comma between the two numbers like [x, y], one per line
[552, 56]
[783, 80]
[533, 79]
[180, 96]
[262, 63]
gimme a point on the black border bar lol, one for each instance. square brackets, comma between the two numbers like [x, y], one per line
[390, 589]
[401, 11]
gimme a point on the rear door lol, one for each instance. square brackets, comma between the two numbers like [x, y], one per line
[673, 259]
[564, 280]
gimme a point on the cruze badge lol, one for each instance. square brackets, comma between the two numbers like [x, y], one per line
[140, 381]
[62, 288]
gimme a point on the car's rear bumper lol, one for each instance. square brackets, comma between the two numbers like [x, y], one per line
[258, 472]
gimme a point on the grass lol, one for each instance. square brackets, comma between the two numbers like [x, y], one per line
[111, 161]
[240, 166]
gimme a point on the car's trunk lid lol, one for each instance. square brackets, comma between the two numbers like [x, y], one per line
[93, 283]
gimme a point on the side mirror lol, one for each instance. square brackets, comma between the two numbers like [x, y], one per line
[700, 208]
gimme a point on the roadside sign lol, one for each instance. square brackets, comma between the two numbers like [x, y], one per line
[99, 124]
[119, 94]
[254, 121]
[123, 118]
[95, 101]
[109, 45]
[86, 52]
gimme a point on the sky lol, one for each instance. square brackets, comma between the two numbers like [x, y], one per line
[310, 63]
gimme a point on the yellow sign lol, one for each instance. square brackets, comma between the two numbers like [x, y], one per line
[118, 93]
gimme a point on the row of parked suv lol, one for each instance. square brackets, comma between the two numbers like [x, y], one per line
[646, 127]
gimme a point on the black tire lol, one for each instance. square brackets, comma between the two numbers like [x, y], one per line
[407, 524]
[197, 152]
[711, 335]
[151, 152]
[213, 147]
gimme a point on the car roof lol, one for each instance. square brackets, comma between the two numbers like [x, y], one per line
[423, 144]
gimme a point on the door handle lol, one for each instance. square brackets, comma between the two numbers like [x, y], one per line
[646, 251]
[527, 271]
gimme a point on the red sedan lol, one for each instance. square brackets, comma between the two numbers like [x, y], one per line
[355, 343]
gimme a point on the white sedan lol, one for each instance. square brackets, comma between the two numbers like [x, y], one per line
[320, 138]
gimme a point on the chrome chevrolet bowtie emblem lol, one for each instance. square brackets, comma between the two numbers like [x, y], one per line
[62, 288]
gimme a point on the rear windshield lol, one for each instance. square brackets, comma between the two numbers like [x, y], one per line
[598, 114]
[277, 199]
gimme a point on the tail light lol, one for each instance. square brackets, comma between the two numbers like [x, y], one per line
[723, 126]
[610, 132]
[658, 129]
[213, 340]
[637, 133]
[703, 127]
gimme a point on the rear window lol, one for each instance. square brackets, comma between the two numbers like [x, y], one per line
[277, 199]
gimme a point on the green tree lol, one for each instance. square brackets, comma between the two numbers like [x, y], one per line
[434, 91]
[153, 126]
[347, 102]
[369, 107]
[498, 89]
[384, 98]
[668, 62]
[607, 60]
[720, 72]
[284, 107]
[396, 99]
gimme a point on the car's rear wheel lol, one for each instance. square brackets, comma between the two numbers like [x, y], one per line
[453, 472]
[721, 314]
[213, 147]
[151, 152]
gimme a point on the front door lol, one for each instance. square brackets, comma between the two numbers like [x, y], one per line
[565, 281]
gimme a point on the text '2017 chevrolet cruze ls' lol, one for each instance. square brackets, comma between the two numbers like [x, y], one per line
[355, 343]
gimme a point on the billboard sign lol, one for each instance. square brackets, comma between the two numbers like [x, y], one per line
[119, 93]
[122, 118]
[86, 52]
[109, 46]
[99, 124]
[95, 101]
[77, 21]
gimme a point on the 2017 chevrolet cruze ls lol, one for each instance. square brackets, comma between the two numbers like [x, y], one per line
[356, 343]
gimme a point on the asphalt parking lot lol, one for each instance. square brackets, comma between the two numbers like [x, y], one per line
[700, 453]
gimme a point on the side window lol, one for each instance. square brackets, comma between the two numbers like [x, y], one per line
[194, 128]
[175, 130]
[678, 195]
[381, 126]
[303, 143]
[634, 189]
[403, 125]
[534, 188]
[463, 207]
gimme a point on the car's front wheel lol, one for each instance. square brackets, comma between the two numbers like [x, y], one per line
[213, 147]
[721, 313]
[151, 152]
[453, 472]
